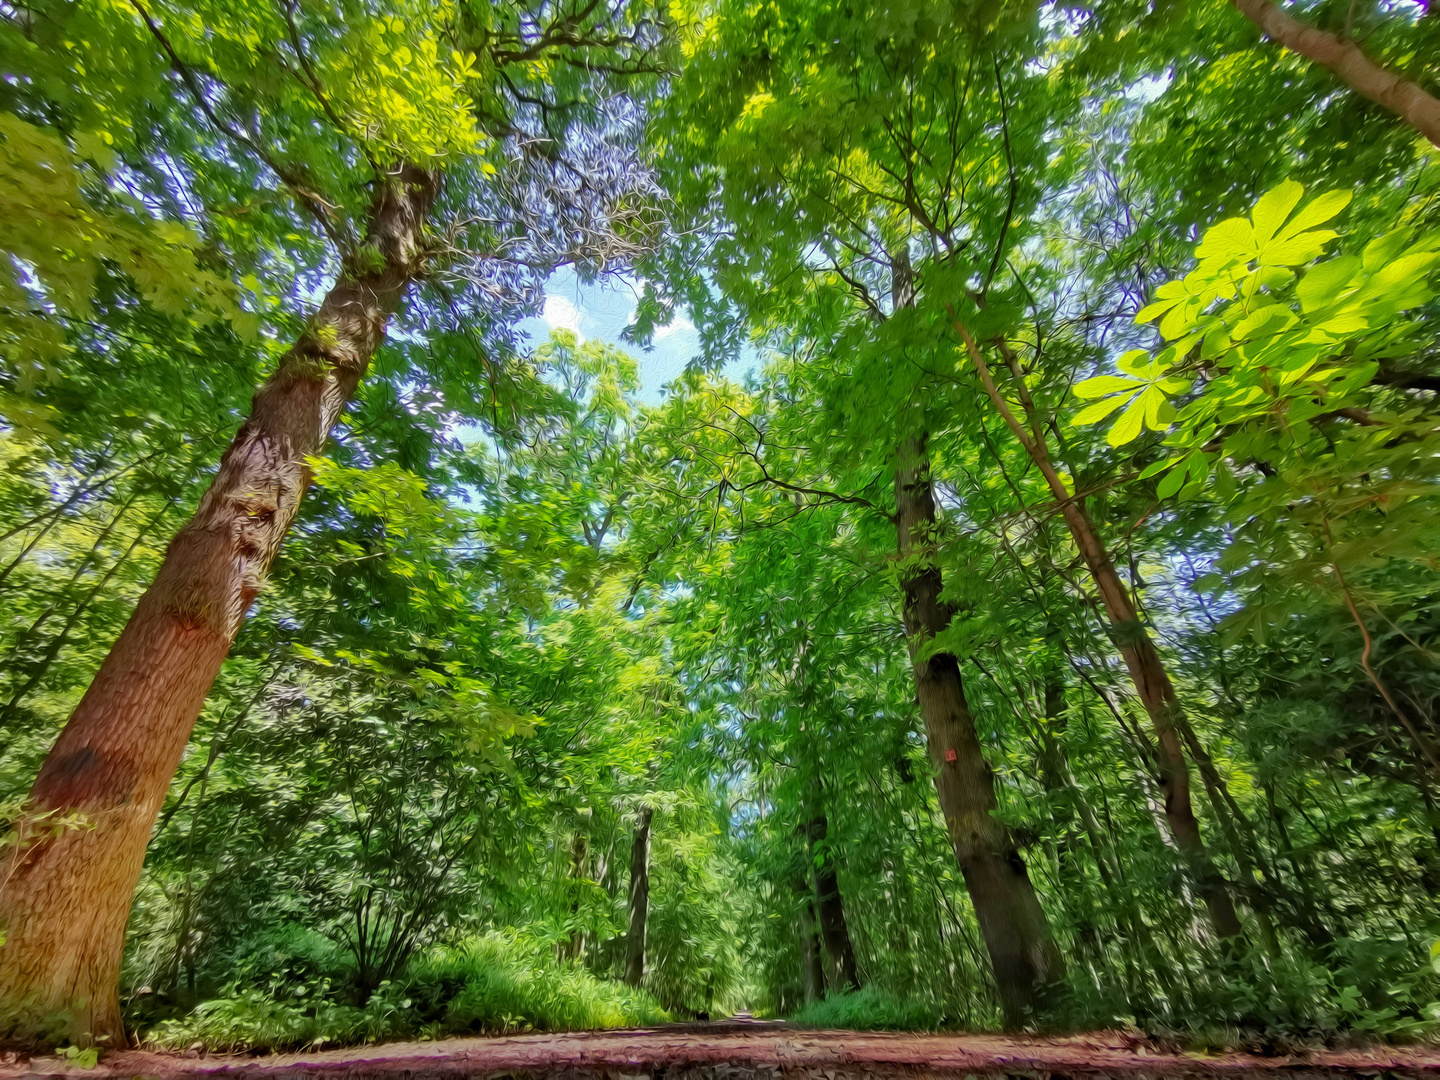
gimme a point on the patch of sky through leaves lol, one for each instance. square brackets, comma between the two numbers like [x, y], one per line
[602, 310]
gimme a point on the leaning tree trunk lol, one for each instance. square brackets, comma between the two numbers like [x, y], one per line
[1405, 99]
[65, 899]
[1017, 937]
[639, 899]
[1147, 670]
[831, 909]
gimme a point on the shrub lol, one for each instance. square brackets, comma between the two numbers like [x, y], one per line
[252, 1020]
[495, 983]
[868, 1009]
[508, 986]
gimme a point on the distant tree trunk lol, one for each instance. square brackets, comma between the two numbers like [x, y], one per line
[639, 899]
[573, 947]
[831, 909]
[812, 973]
[1147, 670]
[1402, 97]
[66, 899]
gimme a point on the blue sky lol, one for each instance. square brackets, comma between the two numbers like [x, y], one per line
[601, 310]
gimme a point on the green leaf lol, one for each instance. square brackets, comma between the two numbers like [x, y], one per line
[1265, 322]
[1099, 410]
[1233, 238]
[1272, 208]
[1384, 248]
[1298, 249]
[1316, 212]
[1172, 483]
[1101, 385]
[1158, 412]
[1327, 282]
[1128, 427]
[1155, 468]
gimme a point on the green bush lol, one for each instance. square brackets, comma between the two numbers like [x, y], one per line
[252, 1020]
[495, 983]
[507, 987]
[868, 1009]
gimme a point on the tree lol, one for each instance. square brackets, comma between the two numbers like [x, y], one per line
[1346, 59]
[1274, 378]
[851, 188]
[1147, 669]
[639, 898]
[398, 126]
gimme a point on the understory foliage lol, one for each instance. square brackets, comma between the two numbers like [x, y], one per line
[485, 985]
[537, 636]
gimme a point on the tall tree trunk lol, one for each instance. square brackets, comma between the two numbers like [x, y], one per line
[812, 971]
[1022, 952]
[65, 899]
[1147, 670]
[639, 899]
[1402, 97]
[831, 908]
[1023, 956]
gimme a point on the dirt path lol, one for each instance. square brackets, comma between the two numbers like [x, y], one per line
[748, 1051]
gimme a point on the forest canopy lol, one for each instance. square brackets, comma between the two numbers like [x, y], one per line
[1022, 612]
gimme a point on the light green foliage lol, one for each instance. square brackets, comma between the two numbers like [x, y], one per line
[1279, 336]
[54, 238]
[805, 152]
[491, 985]
[1291, 428]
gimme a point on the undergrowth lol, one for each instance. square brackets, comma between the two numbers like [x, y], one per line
[1366, 992]
[868, 1009]
[494, 984]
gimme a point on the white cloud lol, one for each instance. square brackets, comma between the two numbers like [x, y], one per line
[561, 314]
[677, 325]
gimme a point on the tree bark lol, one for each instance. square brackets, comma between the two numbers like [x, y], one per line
[1147, 670]
[831, 909]
[639, 899]
[64, 900]
[1346, 59]
[573, 947]
[1022, 953]
[812, 972]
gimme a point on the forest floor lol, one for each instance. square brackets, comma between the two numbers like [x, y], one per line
[749, 1050]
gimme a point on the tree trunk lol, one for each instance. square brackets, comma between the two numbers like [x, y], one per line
[639, 899]
[1022, 953]
[65, 899]
[1346, 59]
[812, 973]
[831, 909]
[1147, 670]
[573, 947]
